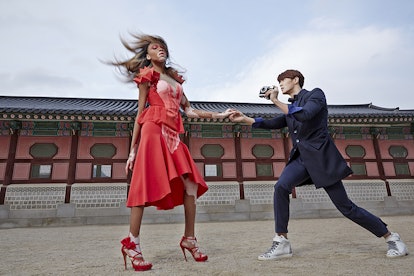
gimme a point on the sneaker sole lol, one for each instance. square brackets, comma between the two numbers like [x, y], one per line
[260, 258]
[397, 256]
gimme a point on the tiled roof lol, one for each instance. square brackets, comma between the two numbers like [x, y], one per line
[119, 107]
[67, 106]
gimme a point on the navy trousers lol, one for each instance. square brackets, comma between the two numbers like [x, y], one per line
[294, 174]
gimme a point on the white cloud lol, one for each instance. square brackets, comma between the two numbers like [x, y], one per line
[355, 57]
[351, 66]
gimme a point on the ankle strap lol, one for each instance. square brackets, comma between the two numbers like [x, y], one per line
[129, 244]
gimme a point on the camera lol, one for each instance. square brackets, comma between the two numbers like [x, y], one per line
[264, 89]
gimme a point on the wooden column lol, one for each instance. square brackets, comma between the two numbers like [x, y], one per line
[239, 161]
[186, 136]
[73, 159]
[286, 149]
[131, 126]
[375, 133]
[8, 177]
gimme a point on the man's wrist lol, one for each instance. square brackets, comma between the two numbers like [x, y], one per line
[248, 120]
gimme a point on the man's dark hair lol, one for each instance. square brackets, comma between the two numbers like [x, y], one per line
[291, 74]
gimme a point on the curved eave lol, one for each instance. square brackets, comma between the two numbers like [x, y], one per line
[87, 109]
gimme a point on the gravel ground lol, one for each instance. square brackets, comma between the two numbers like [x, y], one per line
[333, 246]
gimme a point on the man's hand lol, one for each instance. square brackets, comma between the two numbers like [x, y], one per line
[272, 94]
[237, 116]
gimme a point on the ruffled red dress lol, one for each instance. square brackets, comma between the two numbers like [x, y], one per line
[161, 159]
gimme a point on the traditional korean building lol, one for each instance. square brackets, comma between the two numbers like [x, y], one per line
[64, 158]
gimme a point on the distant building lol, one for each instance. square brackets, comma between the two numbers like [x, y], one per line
[74, 148]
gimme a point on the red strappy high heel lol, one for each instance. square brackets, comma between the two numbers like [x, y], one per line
[137, 261]
[193, 249]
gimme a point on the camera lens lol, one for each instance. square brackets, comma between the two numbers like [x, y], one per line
[264, 89]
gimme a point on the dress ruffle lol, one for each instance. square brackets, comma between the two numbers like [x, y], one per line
[162, 159]
[157, 113]
[147, 74]
[156, 178]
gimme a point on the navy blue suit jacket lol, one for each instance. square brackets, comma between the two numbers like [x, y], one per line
[307, 122]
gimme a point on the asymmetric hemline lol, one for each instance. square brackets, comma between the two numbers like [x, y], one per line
[161, 159]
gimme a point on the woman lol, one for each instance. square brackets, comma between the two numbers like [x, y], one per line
[163, 172]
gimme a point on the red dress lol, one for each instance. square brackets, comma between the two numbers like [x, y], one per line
[161, 159]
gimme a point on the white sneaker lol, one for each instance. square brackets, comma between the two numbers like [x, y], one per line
[280, 249]
[396, 247]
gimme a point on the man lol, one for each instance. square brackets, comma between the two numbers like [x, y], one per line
[314, 159]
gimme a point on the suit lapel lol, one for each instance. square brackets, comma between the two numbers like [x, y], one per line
[301, 96]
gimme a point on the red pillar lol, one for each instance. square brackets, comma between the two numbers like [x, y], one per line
[8, 177]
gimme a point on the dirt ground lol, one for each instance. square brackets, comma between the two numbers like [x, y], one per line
[333, 246]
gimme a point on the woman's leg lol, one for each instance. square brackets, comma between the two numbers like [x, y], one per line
[188, 241]
[189, 214]
[130, 245]
[135, 220]
[190, 194]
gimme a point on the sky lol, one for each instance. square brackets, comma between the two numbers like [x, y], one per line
[356, 51]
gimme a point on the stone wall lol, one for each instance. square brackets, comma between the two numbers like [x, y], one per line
[104, 203]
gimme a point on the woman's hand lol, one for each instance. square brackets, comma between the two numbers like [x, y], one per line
[130, 162]
[236, 116]
[225, 114]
